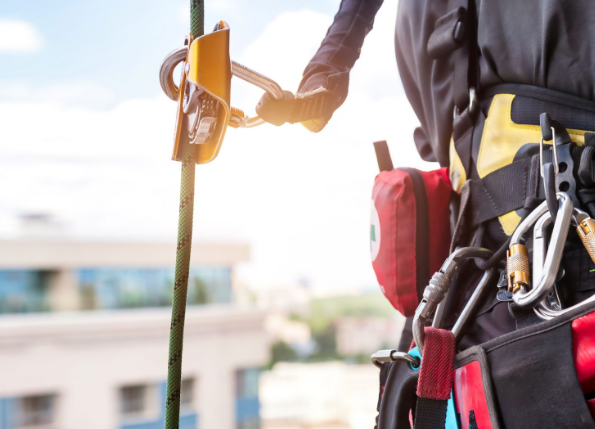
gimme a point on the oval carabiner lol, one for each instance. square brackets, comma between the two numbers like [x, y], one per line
[166, 71]
[585, 228]
[517, 256]
[439, 286]
[540, 288]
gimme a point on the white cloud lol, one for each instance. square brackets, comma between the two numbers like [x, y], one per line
[18, 36]
[300, 199]
[78, 93]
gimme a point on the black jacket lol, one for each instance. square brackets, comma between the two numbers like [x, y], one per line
[546, 43]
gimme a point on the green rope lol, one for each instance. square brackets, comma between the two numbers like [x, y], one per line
[178, 312]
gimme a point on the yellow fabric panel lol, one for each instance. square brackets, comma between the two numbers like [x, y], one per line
[456, 171]
[501, 140]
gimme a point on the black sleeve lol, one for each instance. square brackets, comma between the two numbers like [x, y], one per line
[330, 67]
[427, 82]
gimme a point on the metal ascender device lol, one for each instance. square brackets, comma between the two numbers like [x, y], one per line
[204, 91]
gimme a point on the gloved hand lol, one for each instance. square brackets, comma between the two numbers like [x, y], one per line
[326, 78]
[312, 106]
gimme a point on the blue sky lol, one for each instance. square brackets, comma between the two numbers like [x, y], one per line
[119, 45]
[85, 134]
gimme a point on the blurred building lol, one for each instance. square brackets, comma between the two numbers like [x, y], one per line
[366, 335]
[65, 366]
[281, 328]
[329, 395]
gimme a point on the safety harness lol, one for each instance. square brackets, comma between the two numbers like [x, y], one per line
[522, 162]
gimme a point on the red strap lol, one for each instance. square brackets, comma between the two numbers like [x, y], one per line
[437, 365]
[591, 406]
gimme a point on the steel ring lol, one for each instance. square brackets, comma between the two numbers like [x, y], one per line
[166, 78]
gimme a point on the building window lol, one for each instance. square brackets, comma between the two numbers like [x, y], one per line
[247, 401]
[187, 394]
[109, 288]
[23, 291]
[133, 400]
[139, 401]
[36, 411]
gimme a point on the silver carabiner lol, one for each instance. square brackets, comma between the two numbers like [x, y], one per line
[544, 310]
[385, 356]
[541, 286]
[439, 286]
[552, 300]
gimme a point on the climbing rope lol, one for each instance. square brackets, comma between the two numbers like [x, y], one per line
[178, 312]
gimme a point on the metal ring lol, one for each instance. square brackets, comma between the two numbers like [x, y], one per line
[166, 71]
[472, 106]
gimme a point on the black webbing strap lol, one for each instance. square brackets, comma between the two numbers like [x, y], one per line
[385, 162]
[464, 57]
[430, 413]
[523, 317]
[510, 187]
[384, 371]
[448, 34]
[505, 190]
[462, 134]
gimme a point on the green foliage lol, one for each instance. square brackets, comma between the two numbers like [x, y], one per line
[324, 312]
[282, 352]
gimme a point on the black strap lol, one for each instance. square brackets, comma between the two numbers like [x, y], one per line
[549, 181]
[511, 188]
[465, 58]
[385, 162]
[430, 414]
[523, 317]
[504, 190]
[448, 34]
[384, 371]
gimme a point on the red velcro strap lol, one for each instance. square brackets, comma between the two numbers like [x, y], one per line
[437, 365]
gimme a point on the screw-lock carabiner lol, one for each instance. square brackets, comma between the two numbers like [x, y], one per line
[439, 286]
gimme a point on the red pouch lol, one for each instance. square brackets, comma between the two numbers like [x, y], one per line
[409, 232]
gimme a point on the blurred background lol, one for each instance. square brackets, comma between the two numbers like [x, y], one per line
[284, 306]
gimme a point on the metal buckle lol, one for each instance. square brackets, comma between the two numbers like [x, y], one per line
[472, 107]
[384, 356]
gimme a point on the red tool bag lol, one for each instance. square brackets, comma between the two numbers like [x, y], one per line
[410, 229]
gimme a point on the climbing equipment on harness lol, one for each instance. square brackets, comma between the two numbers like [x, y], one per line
[518, 260]
[439, 286]
[203, 96]
[551, 306]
